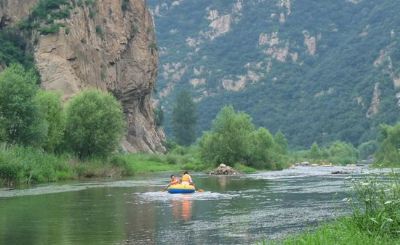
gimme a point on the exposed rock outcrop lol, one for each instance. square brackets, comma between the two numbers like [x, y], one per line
[105, 46]
[224, 170]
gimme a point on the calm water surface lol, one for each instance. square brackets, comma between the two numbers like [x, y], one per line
[232, 210]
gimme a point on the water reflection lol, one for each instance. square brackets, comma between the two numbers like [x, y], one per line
[182, 208]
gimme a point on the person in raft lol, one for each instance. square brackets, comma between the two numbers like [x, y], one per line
[173, 181]
[186, 179]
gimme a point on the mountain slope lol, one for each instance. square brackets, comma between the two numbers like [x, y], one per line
[316, 70]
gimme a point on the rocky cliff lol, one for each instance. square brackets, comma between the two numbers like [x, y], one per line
[104, 44]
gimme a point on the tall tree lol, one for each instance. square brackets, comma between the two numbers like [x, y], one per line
[94, 124]
[184, 118]
[20, 117]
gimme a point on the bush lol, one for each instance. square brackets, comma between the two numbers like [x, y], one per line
[50, 106]
[377, 206]
[367, 149]
[389, 142]
[9, 174]
[94, 124]
[229, 140]
[233, 139]
[342, 153]
[20, 116]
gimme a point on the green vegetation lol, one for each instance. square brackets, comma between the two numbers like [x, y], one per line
[125, 5]
[27, 165]
[158, 116]
[317, 98]
[94, 124]
[184, 119]
[20, 118]
[14, 49]
[375, 218]
[50, 106]
[341, 232]
[46, 15]
[338, 153]
[234, 139]
[389, 143]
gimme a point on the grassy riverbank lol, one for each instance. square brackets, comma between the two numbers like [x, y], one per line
[22, 165]
[375, 218]
[341, 232]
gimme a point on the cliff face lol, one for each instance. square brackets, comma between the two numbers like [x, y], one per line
[109, 45]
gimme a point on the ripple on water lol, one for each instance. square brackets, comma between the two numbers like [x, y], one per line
[55, 188]
[165, 196]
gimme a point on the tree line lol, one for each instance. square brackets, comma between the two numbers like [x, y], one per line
[91, 123]
[233, 139]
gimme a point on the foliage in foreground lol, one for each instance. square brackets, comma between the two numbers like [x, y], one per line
[377, 205]
[341, 232]
[375, 218]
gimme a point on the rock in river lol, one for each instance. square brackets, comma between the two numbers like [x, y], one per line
[224, 170]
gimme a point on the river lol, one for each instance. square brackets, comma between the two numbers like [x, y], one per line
[232, 210]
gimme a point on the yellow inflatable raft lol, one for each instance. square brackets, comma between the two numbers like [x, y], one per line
[179, 188]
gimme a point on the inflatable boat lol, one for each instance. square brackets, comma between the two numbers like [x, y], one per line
[179, 188]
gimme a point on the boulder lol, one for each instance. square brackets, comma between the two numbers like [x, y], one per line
[340, 172]
[223, 169]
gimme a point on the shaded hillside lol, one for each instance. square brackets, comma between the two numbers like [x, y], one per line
[316, 70]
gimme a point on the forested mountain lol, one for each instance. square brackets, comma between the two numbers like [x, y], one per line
[316, 70]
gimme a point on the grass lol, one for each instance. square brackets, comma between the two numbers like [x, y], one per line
[341, 232]
[144, 163]
[375, 218]
[25, 165]
[245, 169]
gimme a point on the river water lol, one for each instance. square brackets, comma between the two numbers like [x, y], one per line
[232, 210]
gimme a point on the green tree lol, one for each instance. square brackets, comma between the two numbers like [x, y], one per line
[389, 144]
[367, 149]
[261, 149]
[234, 139]
[20, 116]
[184, 118]
[315, 152]
[94, 124]
[281, 142]
[50, 105]
[158, 116]
[229, 140]
[342, 153]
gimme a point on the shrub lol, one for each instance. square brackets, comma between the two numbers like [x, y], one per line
[389, 142]
[20, 116]
[234, 139]
[367, 149]
[377, 205]
[94, 124]
[50, 106]
[342, 153]
[229, 140]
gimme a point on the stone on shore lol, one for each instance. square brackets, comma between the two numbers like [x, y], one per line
[223, 169]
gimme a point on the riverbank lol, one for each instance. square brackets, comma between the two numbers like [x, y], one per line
[374, 220]
[21, 165]
[341, 232]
